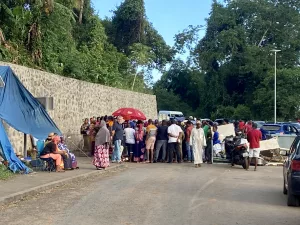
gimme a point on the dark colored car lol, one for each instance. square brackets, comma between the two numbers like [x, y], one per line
[296, 125]
[291, 174]
[259, 123]
[221, 121]
[268, 130]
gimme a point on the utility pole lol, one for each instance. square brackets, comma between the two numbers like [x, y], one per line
[275, 85]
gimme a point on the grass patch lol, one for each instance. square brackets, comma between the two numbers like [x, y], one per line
[5, 173]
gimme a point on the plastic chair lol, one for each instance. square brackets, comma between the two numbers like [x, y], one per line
[50, 163]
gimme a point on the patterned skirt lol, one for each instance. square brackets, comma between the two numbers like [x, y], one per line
[101, 156]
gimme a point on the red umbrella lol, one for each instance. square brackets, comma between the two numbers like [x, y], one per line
[130, 113]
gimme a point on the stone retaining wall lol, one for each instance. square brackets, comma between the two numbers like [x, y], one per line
[75, 100]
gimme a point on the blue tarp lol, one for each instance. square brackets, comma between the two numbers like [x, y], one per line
[14, 163]
[21, 110]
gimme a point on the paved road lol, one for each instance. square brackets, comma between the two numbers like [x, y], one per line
[163, 194]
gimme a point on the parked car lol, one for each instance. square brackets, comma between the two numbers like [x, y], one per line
[167, 115]
[268, 130]
[208, 120]
[291, 173]
[221, 121]
[296, 125]
[259, 123]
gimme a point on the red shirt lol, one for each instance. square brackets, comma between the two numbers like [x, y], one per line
[254, 136]
[241, 125]
[248, 127]
[188, 133]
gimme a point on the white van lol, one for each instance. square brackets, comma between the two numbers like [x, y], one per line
[167, 115]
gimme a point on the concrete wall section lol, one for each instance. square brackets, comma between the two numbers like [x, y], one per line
[75, 100]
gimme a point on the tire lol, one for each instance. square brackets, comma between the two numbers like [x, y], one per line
[285, 191]
[292, 200]
[246, 164]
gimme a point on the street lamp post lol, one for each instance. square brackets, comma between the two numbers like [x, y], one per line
[275, 84]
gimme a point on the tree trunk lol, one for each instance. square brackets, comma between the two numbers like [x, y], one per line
[81, 11]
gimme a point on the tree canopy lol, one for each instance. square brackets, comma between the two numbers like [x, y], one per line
[234, 64]
[68, 38]
[229, 71]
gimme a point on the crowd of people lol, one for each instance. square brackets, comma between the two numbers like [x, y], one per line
[114, 140]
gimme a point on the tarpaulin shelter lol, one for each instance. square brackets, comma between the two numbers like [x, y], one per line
[21, 110]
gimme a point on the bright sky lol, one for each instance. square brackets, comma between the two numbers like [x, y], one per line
[169, 17]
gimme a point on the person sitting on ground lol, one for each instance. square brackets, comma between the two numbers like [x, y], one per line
[70, 162]
[51, 151]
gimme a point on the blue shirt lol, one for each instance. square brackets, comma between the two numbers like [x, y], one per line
[216, 138]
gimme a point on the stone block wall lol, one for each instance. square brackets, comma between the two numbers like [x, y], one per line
[75, 100]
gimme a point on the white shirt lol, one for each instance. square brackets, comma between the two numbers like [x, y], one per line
[129, 135]
[174, 130]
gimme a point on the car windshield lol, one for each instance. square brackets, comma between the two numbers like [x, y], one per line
[297, 125]
[270, 127]
[259, 125]
[177, 115]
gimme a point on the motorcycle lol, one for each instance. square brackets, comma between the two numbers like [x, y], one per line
[237, 151]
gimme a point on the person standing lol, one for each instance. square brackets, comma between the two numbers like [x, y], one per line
[189, 149]
[101, 153]
[140, 144]
[129, 140]
[241, 126]
[208, 137]
[254, 137]
[161, 141]
[248, 127]
[198, 142]
[84, 132]
[92, 134]
[117, 137]
[150, 140]
[174, 132]
[180, 141]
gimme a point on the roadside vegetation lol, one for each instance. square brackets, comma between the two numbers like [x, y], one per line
[229, 72]
[5, 173]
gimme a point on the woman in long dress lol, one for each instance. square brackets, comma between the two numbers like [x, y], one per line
[70, 162]
[101, 154]
[140, 144]
[198, 143]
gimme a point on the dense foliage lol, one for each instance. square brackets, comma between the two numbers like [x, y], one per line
[230, 71]
[67, 37]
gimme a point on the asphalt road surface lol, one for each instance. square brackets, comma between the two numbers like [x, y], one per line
[163, 194]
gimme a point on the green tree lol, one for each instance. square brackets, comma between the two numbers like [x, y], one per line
[234, 55]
